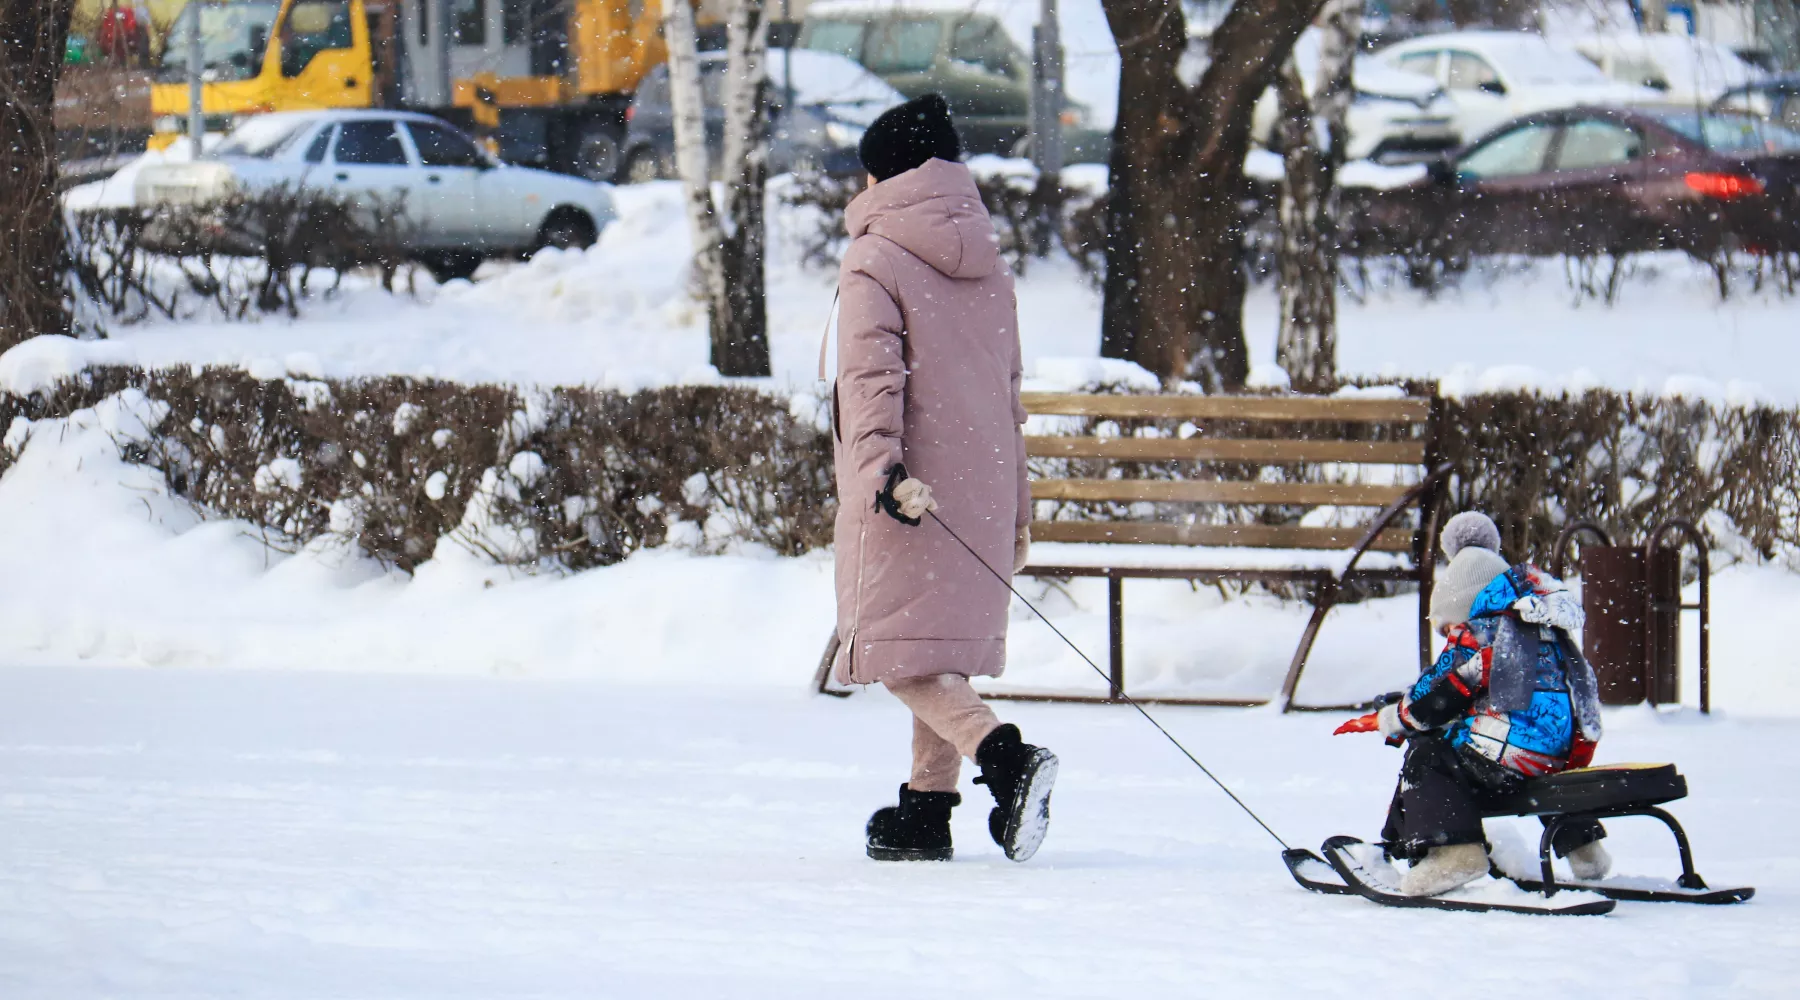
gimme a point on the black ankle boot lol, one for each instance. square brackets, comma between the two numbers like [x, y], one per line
[918, 829]
[1020, 776]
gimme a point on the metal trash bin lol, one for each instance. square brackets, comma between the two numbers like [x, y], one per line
[1632, 599]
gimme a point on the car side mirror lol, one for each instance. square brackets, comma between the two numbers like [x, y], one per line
[1441, 171]
[1494, 87]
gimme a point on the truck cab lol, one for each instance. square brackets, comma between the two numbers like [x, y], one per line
[270, 55]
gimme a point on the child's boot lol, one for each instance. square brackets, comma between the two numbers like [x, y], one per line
[918, 829]
[1445, 868]
[1590, 862]
[1020, 776]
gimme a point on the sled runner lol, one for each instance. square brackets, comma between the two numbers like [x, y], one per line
[1368, 875]
[1612, 791]
[1592, 793]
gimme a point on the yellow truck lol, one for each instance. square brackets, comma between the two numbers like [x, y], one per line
[549, 81]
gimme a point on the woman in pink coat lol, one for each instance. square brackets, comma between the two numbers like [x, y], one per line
[929, 441]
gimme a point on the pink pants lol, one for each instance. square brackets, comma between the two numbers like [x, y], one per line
[949, 721]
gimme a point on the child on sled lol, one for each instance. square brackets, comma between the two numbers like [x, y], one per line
[1510, 698]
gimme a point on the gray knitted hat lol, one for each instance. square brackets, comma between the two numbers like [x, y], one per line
[1472, 542]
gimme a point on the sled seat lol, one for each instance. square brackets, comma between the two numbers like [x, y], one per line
[1606, 789]
[1313, 493]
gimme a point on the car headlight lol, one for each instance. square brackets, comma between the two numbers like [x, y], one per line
[844, 133]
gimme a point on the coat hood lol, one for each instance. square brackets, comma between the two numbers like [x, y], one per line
[934, 212]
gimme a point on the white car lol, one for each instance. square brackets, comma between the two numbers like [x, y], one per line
[1393, 115]
[1496, 76]
[1685, 69]
[462, 204]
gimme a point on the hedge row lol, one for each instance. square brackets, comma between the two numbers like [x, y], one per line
[576, 477]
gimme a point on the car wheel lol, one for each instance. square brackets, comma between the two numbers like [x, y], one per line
[644, 166]
[566, 229]
[451, 265]
[597, 154]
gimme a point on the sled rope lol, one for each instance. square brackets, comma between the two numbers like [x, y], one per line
[1128, 699]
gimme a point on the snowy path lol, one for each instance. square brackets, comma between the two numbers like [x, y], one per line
[274, 834]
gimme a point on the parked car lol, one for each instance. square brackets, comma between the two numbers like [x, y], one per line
[1393, 115]
[1685, 69]
[834, 100]
[1496, 76]
[1597, 181]
[462, 205]
[965, 55]
[1776, 98]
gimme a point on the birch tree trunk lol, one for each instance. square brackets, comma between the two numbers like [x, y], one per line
[1314, 135]
[728, 240]
[32, 33]
[1174, 290]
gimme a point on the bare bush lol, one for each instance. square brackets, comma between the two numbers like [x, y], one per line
[247, 253]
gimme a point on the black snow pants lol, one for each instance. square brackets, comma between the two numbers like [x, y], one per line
[1441, 795]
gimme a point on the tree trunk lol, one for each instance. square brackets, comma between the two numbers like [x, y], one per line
[32, 34]
[1313, 138]
[1174, 286]
[728, 244]
[740, 326]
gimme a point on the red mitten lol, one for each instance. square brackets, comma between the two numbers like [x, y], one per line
[1360, 724]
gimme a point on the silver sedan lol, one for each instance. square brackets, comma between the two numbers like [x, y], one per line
[461, 204]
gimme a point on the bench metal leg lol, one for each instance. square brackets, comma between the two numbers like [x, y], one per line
[1322, 602]
[1115, 613]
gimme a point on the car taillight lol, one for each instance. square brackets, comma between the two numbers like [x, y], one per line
[631, 112]
[1724, 186]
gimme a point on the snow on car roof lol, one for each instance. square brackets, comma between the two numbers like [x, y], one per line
[1687, 62]
[1367, 74]
[1525, 57]
[825, 78]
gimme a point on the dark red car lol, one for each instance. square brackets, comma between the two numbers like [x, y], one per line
[1594, 181]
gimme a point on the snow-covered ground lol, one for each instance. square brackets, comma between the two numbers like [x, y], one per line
[226, 833]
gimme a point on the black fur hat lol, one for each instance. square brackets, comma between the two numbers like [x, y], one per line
[907, 135]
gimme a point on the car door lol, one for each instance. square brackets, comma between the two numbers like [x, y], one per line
[1481, 97]
[369, 164]
[449, 199]
[1594, 189]
[1497, 204]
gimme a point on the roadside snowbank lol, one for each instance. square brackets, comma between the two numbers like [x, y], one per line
[98, 564]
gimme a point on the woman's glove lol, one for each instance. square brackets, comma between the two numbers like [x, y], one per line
[1021, 548]
[904, 498]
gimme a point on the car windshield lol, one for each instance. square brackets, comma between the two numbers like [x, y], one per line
[262, 138]
[1726, 133]
[903, 46]
[233, 38]
[844, 38]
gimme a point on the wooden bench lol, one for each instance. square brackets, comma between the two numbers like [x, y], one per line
[1198, 502]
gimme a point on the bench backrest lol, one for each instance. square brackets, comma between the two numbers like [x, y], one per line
[1219, 456]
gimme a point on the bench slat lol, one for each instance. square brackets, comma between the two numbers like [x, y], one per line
[1291, 408]
[1229, 449]
[1215, 491]
[1264, 536]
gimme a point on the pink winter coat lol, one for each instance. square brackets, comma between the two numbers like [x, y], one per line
[928, 375]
